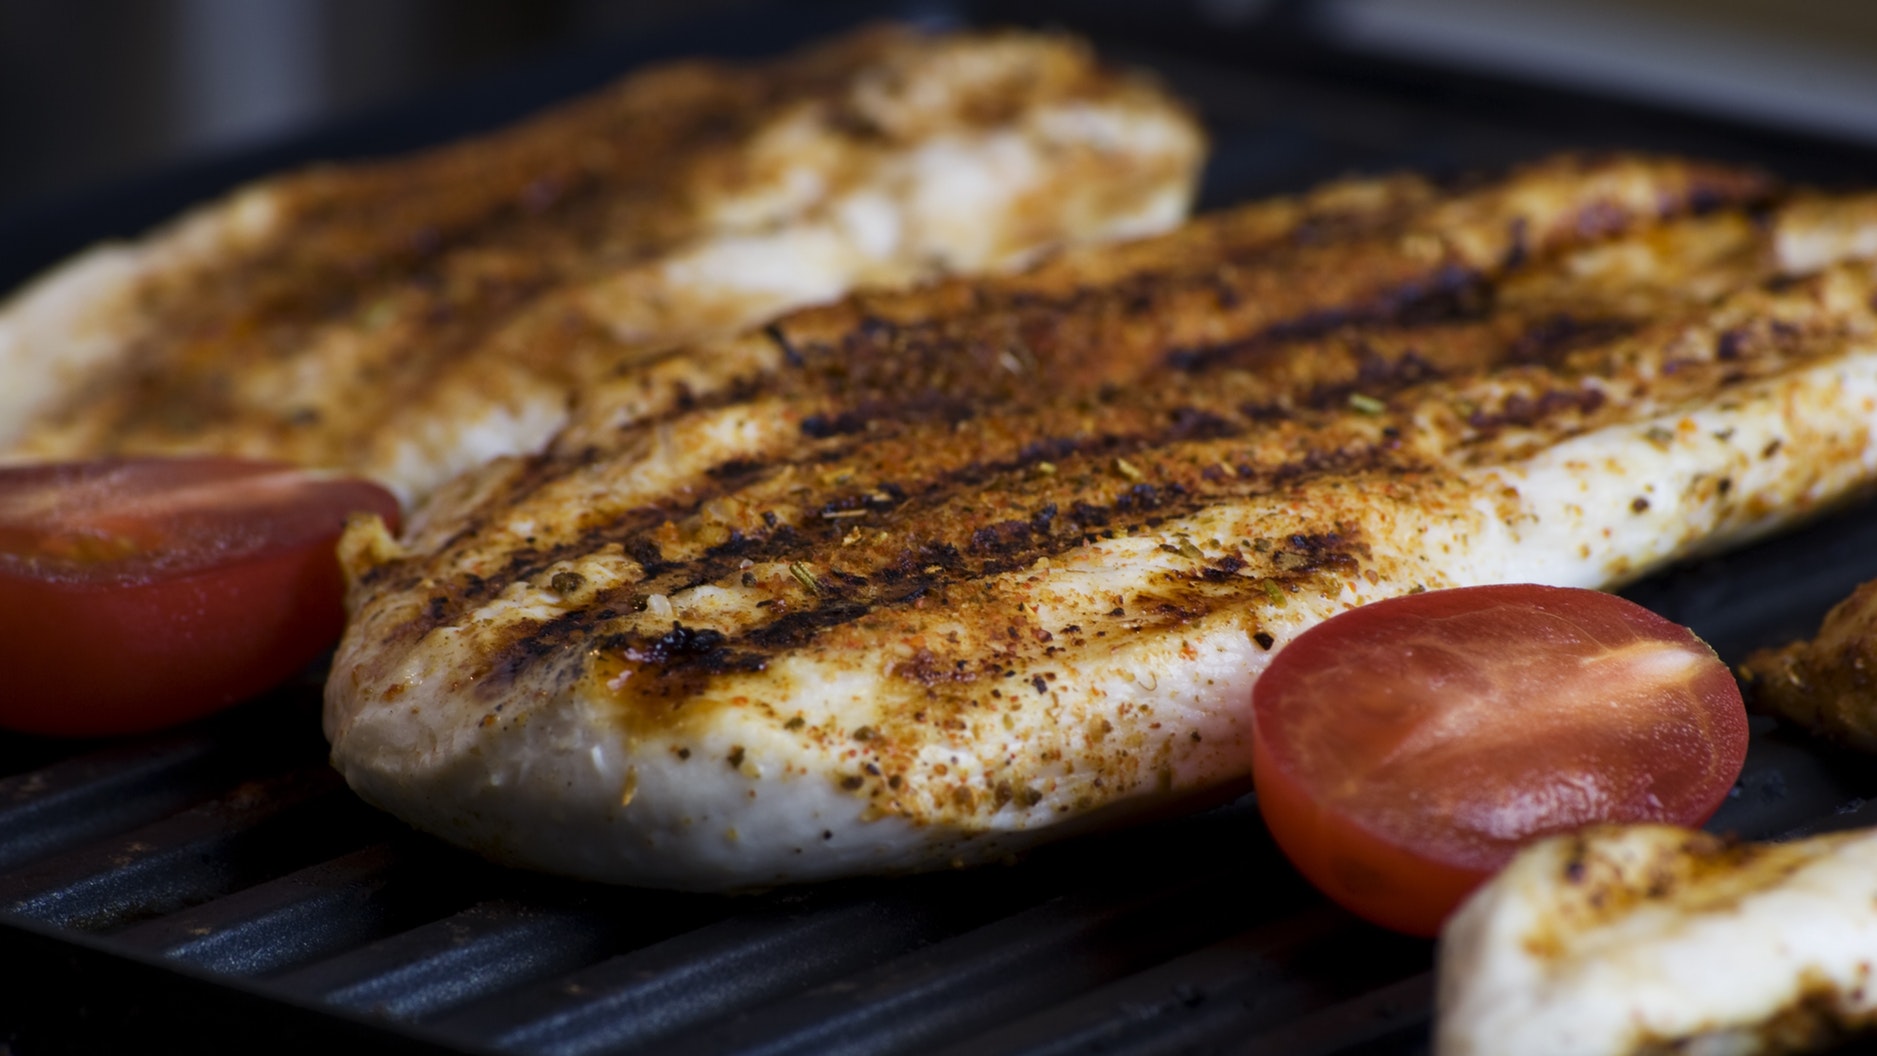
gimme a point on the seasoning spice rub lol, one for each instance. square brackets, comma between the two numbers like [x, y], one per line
[1634, 940]
[924, 578]
[408, 319]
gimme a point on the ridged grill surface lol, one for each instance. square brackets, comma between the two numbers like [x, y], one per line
[220, 885]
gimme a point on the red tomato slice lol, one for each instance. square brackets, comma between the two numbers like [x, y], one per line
[136, 593]
[1404, 750]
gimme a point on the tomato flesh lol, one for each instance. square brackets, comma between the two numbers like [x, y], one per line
[1404, 750]
[137, 593]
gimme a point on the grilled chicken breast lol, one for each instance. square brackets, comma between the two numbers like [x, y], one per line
[926, 578]
[1654, 939]
[1829, 684]
[411, 318]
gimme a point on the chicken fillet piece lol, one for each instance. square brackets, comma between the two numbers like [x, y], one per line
[411, 318]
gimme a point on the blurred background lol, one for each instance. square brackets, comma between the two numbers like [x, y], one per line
[100, 89]
[95, 91]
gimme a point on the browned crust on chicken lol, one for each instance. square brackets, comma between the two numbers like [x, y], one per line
[927, 577]
[394, 300]
[914, 446]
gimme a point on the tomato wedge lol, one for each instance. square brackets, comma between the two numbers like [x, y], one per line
[1402, 751]
[137, 593]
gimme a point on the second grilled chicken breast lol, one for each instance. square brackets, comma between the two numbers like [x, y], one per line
[1628, 941]
[925, 578]
[411, 318]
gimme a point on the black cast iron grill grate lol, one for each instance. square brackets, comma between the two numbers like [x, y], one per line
[220, 886]
[276, 885]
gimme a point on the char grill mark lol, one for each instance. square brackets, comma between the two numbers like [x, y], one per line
[867, 378]
[962, 343]
[1294, 562]
[1400, 273]
[1087, 443]
[1555, 336]
[945, 535]
[948, 551]
[944, 538]
[1221, 405]
[378, 238]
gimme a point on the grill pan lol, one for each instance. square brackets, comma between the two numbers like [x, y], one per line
[219, 887]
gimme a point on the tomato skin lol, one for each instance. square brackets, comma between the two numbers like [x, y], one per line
[1376, 878]
[220, 581]
[1403, 751]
